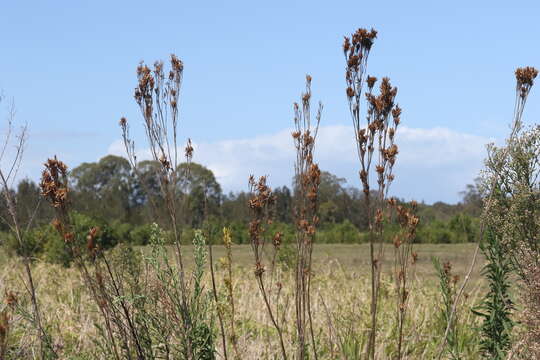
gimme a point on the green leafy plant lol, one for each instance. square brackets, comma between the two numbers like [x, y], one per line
[497, 306]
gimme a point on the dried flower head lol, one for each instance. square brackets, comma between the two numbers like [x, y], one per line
[11, 298]
[189, 150]
[371, 80]
[526, 75]
[54, 182]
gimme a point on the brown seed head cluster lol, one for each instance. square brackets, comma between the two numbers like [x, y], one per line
[356, 50]
[11, 298]
[165, 163]
[525, 80]
[54, 183]
[526, 75]
[407, 221]
[261, 205]
[91, 245]
[153, 86]
[189, 151]
[371, 80]
[383, 104]
[263, 196]
[145, 88]
[307, 173]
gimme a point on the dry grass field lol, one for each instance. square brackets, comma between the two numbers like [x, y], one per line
[340, 304]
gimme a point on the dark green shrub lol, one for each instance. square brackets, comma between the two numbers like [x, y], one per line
[463, 227]
[140, 235]
[31, 247]
[497, 306]
[45, 242]
[239, 232]
[344, 232]
[286, 256]
[122, 231]
[436, 232]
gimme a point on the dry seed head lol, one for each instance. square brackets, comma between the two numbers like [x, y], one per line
[447, 268]
[414, 256]
[90, 239]
[11, 298]
[397, 241]
[526, 75]
[396, 111]
[259, 269]
[164, 162]
[53, 182]
[57, 225]
[189, 150]
[176, 63]
[346, 45]
[371, 80]
[68, 237]
[277, 239]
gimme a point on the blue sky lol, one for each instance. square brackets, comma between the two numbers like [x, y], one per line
[70, 68]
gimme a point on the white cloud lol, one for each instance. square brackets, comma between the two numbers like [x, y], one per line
[433, 164]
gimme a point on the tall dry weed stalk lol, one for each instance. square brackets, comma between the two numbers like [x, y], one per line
[230, 312]
[447, 315]
[149, 308]
[307, 178]
[19, 230]
[55, 189]
[512, 209]
[140, 303]
[374, 139]
[404, 257]
[158, 96]
[261, 205]
[499, 183]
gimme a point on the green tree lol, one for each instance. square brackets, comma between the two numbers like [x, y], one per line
[201, 193]
[104, 189]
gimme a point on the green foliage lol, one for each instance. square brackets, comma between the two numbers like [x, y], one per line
[195, 314]
[286, 256]
[343, 233]
[496, 308]
[202, 336]
[31, 246]
[140, 235]
[460, 228]
[108, 191]
[45, 242]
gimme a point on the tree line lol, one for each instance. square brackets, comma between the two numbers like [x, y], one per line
[107, 192]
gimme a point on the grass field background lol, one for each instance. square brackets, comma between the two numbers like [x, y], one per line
[340, 303]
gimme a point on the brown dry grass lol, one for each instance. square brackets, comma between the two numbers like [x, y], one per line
[340, 305]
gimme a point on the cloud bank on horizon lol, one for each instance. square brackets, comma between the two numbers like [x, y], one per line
[433, 164]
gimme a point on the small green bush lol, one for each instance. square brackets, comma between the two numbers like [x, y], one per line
[343, 233]
[45, 242]
[140, 235]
